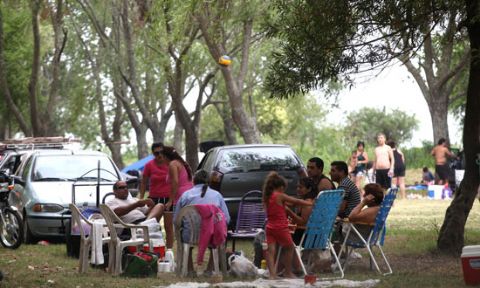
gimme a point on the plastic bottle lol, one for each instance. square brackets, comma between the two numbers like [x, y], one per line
[170, 259]
[264, 249]
[263, 264]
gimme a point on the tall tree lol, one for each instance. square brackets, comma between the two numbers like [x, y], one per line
[368, 122]
[331, 39]
[213, 19]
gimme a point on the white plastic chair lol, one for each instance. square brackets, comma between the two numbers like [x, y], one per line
[189, 215]
[116, 244]
[85, 240]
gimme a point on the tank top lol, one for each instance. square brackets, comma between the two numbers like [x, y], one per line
[361, 166]
[399, 165]
[321, 178]
[276, 214]
[184, 183]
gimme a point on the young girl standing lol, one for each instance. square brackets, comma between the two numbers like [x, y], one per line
[274, 199]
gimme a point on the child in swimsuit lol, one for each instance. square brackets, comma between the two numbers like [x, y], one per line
[277, 231]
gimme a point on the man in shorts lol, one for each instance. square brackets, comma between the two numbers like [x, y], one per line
[131, 210]
[441, 154]
[384, 162]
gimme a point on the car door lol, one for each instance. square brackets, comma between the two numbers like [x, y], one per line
[20, 180]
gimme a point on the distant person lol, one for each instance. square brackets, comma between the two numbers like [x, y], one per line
[441, 154]
[362, 161]
[427, 176]
[399, 168]
[277, 231]
[179, 178]
[351, 196]
[131, 210]
[315, 171]
[352, 165]
[384, 162]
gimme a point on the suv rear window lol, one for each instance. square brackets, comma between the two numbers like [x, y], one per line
[258, 159]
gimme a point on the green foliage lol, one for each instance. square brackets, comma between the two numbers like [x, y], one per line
[324, 40]
[419, 157]
[366, 123]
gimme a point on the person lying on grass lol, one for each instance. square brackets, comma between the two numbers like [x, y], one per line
[277, 231]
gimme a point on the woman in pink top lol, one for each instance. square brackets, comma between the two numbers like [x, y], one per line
[275, 199]
[180, 179]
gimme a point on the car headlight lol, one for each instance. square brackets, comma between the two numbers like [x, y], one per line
[41, 207]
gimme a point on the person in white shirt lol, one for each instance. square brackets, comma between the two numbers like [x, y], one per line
[132, 210]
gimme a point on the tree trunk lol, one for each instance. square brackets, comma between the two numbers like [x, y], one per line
[49, 125]
[32, 85]
[178, 136]
[438, 106]
[451, 238]
[228, 125]
[234, 84]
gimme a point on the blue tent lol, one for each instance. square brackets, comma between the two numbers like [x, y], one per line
[138, 165]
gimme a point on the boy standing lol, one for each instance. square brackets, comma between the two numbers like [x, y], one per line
[384, 162]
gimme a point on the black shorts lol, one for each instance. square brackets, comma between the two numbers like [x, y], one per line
[399, 172]
[381, 177]
[162, 200]
[442, 171]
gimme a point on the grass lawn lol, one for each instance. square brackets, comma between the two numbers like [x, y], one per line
[410, 247]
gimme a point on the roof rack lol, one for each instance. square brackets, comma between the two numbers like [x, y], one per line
[36, 143]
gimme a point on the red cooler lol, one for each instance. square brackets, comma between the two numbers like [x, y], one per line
[471, 264]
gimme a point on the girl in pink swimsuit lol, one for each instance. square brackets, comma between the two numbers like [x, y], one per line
[274, 199]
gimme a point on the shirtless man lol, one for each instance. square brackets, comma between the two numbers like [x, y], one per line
[315, 171]
[441, 153]
[384, 162]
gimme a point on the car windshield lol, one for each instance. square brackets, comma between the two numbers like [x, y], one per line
[258, 159]
[73, 168]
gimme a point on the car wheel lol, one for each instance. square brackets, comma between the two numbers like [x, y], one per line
[28, 237]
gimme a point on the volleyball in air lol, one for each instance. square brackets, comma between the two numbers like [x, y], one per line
[225, 60]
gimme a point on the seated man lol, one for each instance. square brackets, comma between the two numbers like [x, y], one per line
[130, 210]
[351, 196]
[201, 194]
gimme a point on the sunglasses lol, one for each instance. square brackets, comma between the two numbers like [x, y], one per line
[156, 153]
[122, 187]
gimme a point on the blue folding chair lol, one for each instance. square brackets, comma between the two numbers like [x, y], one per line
[374, 236]
[320, 226]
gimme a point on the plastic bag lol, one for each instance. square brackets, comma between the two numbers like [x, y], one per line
[241, 266]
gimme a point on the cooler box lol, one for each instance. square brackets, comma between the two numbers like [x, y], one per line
[471, 264]
[435, 191]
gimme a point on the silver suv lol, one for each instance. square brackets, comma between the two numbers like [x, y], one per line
[236, 169]
[47, 181]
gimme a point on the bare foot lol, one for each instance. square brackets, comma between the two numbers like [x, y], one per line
[272, 277]
[289, 275]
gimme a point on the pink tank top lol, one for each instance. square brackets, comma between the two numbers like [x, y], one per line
[276, 214]
[183, 183]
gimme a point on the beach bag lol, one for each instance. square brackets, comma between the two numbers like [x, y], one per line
[139, 264]
[240, 266]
